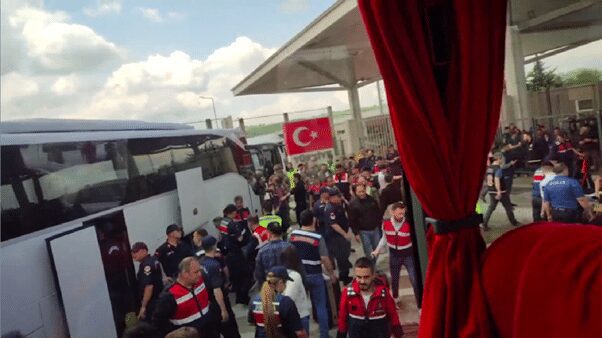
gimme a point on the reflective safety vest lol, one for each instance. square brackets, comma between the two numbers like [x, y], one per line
[291, 177]
[267, 219]
[341, 178]
[307, 244]
[242, 214]
[397, 239]
[223, 226]
[192, 303]
[263, 235]
[258, 311]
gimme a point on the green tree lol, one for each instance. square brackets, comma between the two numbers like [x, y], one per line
[582, 76]
[540, 77]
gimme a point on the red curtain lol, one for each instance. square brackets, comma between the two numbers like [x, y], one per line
[442, 63]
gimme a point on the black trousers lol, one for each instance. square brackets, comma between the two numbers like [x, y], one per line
[340, 249]
[240, 276]
[228, 329]
[505, 200]
[563, 215]
[536, 204]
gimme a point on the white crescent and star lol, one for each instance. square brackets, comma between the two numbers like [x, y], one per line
[313, 134]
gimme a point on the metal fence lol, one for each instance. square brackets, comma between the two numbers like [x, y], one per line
[378, 133]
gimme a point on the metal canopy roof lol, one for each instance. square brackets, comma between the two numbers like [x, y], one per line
[333, 52]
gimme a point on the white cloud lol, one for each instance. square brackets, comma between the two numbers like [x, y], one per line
[155, 15]
[65, 85]
[294, 6]
[104, 7]
[16, 86]
[152, 14]
[55, 45]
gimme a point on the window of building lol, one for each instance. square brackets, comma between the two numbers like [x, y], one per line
[584, 105]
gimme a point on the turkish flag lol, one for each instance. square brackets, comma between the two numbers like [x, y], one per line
[308, 135]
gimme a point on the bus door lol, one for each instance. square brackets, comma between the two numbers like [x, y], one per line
[95, 276]
[196, 205]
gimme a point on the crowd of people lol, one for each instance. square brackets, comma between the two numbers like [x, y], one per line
[283, 266]
[561, 162]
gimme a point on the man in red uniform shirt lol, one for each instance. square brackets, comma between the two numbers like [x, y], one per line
[186, 302]
[367, 308]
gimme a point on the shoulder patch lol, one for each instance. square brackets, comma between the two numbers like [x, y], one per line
[147, 270]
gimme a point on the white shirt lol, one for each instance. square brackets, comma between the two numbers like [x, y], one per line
[381, 181]
[296, 291]
[544, 182]
[366, 297]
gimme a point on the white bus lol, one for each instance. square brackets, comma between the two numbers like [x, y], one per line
[76, 194]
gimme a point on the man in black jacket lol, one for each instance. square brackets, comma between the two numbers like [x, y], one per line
[365, 218]
[391, 193]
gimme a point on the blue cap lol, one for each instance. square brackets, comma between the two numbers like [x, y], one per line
[324, 190]
[208, 242]
[279, 271]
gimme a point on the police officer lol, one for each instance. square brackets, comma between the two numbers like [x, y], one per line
[338, 236]
[235, 239]
[186, 302]
[268, 215]
[341, 179]
[242, 212]
[318, 210]
[171, 253]
[215, 280]
[497, 191]
[562, 197]
[367, 308]
[150, 280]
[312, 250]
[269, 255]
[272, 313]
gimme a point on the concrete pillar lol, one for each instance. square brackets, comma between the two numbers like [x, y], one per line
[357, 131]
[333, 130]
[227, 122]
[209, 124]
[517, 105]
[241, 125]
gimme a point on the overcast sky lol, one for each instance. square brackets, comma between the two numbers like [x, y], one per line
[152, 59]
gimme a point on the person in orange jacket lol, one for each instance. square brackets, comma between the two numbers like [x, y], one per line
[367, 308]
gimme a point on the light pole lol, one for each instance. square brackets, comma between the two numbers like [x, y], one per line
[213, 103]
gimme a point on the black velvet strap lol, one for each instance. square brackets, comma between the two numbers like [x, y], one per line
[444, 227]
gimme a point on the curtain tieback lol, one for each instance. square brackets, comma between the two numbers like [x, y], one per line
[444, 227]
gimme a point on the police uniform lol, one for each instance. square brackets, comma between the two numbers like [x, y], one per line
[562, 193]
[235, 259]
[269, 218]
[495, 171]
[215, 278]
[241, 217]
[338, 246]
[311, 246]
[318, 211]
[342, 183]
[377, 319]
[149, 273]
[285, 311]
[170, 256]
[179, 306]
